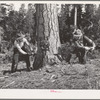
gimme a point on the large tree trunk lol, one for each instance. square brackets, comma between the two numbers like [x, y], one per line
[75, 17]
[47, 29]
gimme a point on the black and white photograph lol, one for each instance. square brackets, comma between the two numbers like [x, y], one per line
[49, 46]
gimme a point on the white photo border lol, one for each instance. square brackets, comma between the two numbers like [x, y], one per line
[48, 93]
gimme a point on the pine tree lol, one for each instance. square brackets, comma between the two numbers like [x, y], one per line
[30, 22]
[47, 34]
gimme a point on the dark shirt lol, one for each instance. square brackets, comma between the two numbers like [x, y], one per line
[84, 41]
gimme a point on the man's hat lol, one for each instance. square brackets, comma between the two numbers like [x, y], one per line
[78, 34]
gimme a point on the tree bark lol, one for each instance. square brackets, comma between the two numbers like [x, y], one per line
[47, 29]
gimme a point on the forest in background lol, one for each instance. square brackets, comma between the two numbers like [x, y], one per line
[41, 22]
[24, 20]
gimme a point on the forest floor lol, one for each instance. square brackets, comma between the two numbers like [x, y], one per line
[58, 76]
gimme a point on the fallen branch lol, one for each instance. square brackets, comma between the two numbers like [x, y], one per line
[8, 85]
[4, 77]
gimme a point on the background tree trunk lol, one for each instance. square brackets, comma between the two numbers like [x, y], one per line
[47, 29]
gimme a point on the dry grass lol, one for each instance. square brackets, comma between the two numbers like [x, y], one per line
[58, 76]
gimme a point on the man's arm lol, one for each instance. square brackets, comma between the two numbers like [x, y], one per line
[78, 45]
[93, 47]
[27, 43]
[90, 42]
[19, 48]
[25, 40]
[82, 47]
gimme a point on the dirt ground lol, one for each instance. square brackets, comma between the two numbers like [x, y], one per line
[58, 76]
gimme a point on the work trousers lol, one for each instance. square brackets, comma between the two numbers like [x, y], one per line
[17, 56]
[81, 53]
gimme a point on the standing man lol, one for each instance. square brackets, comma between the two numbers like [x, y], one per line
[82, 45]
[20, 52]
